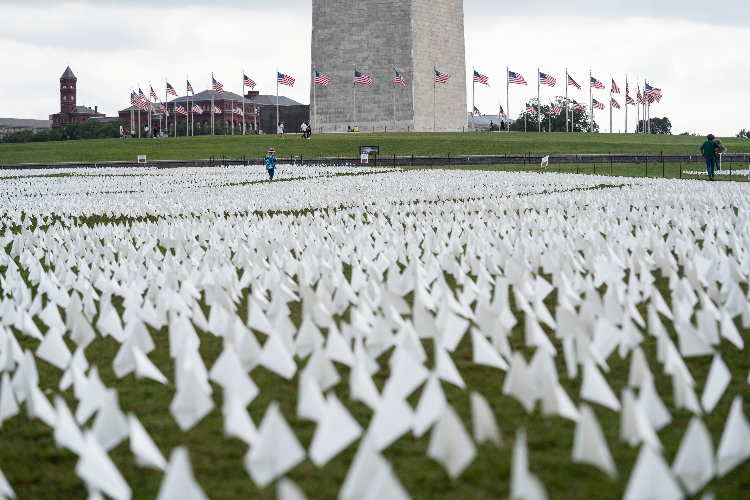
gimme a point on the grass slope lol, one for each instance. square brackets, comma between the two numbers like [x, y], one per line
[331, 145]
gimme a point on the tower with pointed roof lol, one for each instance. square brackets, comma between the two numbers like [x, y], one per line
[68, 83]
[70, 111]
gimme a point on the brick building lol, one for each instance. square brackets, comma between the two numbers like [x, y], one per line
[69, 110]
[254, 104]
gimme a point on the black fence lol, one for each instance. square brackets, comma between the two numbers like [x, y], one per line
[530, 160]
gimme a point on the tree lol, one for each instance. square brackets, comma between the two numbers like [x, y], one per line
[743, 133]
[658, 126]
[580, 119]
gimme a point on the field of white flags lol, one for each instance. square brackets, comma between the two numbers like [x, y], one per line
[372, 334]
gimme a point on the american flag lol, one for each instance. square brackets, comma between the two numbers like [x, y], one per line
[218, 87]
[180, 110]
[322, 79]
[142, 100]
[153, 94]
[218, 111]
[555, 108]
[248, 81]
[575, 105]
[614, 103]
[502, 112]
[514, 77]
[615, 88]
[133, 101]
[190, 89]
[151, 108]
[629, 100]
[530, 109]
[237, 110]
[597, 104]
[477, 112]
[573, 83]
[596, 84]
[197, 109]
[285, 79]
[478, 78]
[361, 78]
[653, 93]
[441, 77]
[400, 79]
[170, 90]
[163, 109]
[545, 79]
[639, 97]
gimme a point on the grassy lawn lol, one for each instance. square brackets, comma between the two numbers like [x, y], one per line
[331, 145]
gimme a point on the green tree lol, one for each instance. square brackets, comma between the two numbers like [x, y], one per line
[658, 126]
[580, 119]
[743, 133]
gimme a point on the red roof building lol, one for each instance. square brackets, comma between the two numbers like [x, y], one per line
[69, 110]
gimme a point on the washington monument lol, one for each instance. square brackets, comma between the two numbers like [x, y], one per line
[378, 39]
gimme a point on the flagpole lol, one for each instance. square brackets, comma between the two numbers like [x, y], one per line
[354, 101]
[566, 100]
[212, 103]
[507, 97]
[149, 109]
[473, 105]
[627, 92]
[315, 104]
[139, 112]
[232, 108]
[132, 111]
[538, 100]
[434, 101]
[394, 97]
[278, 119]
[166, 115]
[610, 103]
[243, 101]
[549, 116]
[591, 106]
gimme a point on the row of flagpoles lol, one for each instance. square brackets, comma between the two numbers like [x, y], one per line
[650, 95]
[143, 102]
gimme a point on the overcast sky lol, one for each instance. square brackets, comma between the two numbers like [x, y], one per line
[696, 52]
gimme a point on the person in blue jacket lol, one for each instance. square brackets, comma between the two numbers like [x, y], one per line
[270, 163]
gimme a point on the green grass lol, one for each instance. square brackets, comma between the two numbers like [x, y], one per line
[332, 145]
[38, 470]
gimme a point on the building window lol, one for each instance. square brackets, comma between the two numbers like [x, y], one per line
[65, 86]
[65, 98]
[72, 86]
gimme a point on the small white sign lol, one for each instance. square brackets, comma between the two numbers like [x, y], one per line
[545, 161]
[141, 158]
[365, 158]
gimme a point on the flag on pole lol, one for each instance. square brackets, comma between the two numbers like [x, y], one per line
[615, 88]
[530, 109]
[142, 100]
[400, 79]
[629, 100]
[237, 110]
[190, 88]
[197, 109]
[133, 101]
[502, 112]
[163, 109]
[596, 83]
[478, 78]
[575, 105]
[476, 112]
[573, 83]
[597, 104]
[151, 108]
[653, 93]
[361, 78]
[218, 111]
[180, 110]
[171, 90]
[514, 77]
[545, 79]
[639, 97]
[321, 79]
[218, 87]
[248, 81]
[285, 79]
[615, 104]
[153, 94]
[555, 108]
[441, 77]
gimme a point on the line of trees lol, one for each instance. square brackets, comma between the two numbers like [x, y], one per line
[90, 129]
[658, 126]
[743, 133]
[580, 119]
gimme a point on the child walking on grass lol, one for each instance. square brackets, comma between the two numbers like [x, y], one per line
[270, 163]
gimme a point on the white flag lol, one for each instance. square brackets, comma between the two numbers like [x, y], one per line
[545, 162]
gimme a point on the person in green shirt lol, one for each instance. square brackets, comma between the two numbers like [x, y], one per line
[708, 150]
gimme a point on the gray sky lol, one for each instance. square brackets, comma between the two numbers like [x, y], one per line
[694, 51]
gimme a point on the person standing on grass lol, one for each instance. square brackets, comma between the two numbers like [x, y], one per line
[719, 151]
[280, 130]
[303, 128]
[309, 129]
[270, 163]
[708, 150]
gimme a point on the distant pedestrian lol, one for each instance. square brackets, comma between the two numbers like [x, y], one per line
[492, 126]
[502, 125]
[145, 131]
[309, 129]
[156, 131]
[303, 128]
[122, 133]
[280, 130]
[708, 150]
[719, 151]
[270, 163]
